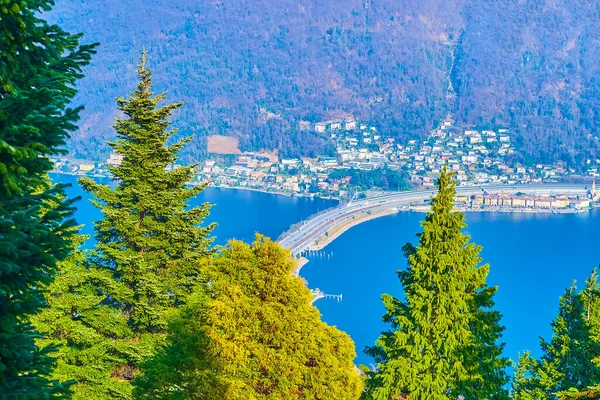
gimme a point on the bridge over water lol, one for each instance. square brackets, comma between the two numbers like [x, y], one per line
[304, 235]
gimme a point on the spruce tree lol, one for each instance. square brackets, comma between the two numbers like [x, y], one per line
[91, 338]
[148, 236]
[568, 367]
[591, 306]
[252, 333]
[109, 308]
[530, 382]
[444, 338]
[39, 65]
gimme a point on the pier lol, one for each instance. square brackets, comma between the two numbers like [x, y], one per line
[318, 294]
[309, 238]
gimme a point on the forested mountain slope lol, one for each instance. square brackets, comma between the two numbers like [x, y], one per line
[533, 65]
[255, 69]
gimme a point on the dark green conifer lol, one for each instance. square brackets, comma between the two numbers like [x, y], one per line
[109, 309]
[568, 367]
[444, 341]
[148, 235]
[39, 65]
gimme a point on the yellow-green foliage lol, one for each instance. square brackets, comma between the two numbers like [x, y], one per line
[252, 333]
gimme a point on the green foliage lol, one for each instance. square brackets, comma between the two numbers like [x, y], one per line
[444, 338]
[39, 65]
[568, 367]
[90, 338]
[252, 334]
[148, 236]
[541, 60]
[529, 382]
[229, 82]
[109, 309]
[385, 179]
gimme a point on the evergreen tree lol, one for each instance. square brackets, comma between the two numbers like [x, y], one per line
[444, 341]
[91, 337]
[529, 381]
[253, 334]
[591, 301]
[148, 236]
[568, 354]
[109, 309]
[39, 65]
[568, 367]
[591, 307]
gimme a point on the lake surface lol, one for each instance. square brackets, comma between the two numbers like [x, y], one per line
[533, 258]
[240, 214]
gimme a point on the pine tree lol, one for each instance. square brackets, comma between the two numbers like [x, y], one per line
[252, 335]
[39, 65]
[568, 367]
[444, 341]
[591, 306]
[109, 308]
[591, 302]
[544, 378]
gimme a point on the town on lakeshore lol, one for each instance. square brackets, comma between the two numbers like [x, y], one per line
[364, 158]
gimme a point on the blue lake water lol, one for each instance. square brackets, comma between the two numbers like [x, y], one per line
[240, 214]
[533, 258]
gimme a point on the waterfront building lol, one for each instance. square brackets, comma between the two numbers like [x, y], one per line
[491, 200]
[543, 202]
[86, 167]
[519, 201]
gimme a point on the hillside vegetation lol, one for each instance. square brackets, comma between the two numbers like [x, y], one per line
[255, 69]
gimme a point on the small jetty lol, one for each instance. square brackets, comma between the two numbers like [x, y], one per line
[318, 294]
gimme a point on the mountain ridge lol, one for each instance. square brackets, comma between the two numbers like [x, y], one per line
[384, 62]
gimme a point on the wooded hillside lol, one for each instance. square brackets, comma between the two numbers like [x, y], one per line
[254, 69]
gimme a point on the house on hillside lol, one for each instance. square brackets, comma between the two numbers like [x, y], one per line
[320, 127]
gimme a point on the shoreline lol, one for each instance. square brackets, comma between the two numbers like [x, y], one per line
[250, 189]
[324, 240]
[416, 208]
[505, 210]
[300, 262]
[275, 192]
[338, 230]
